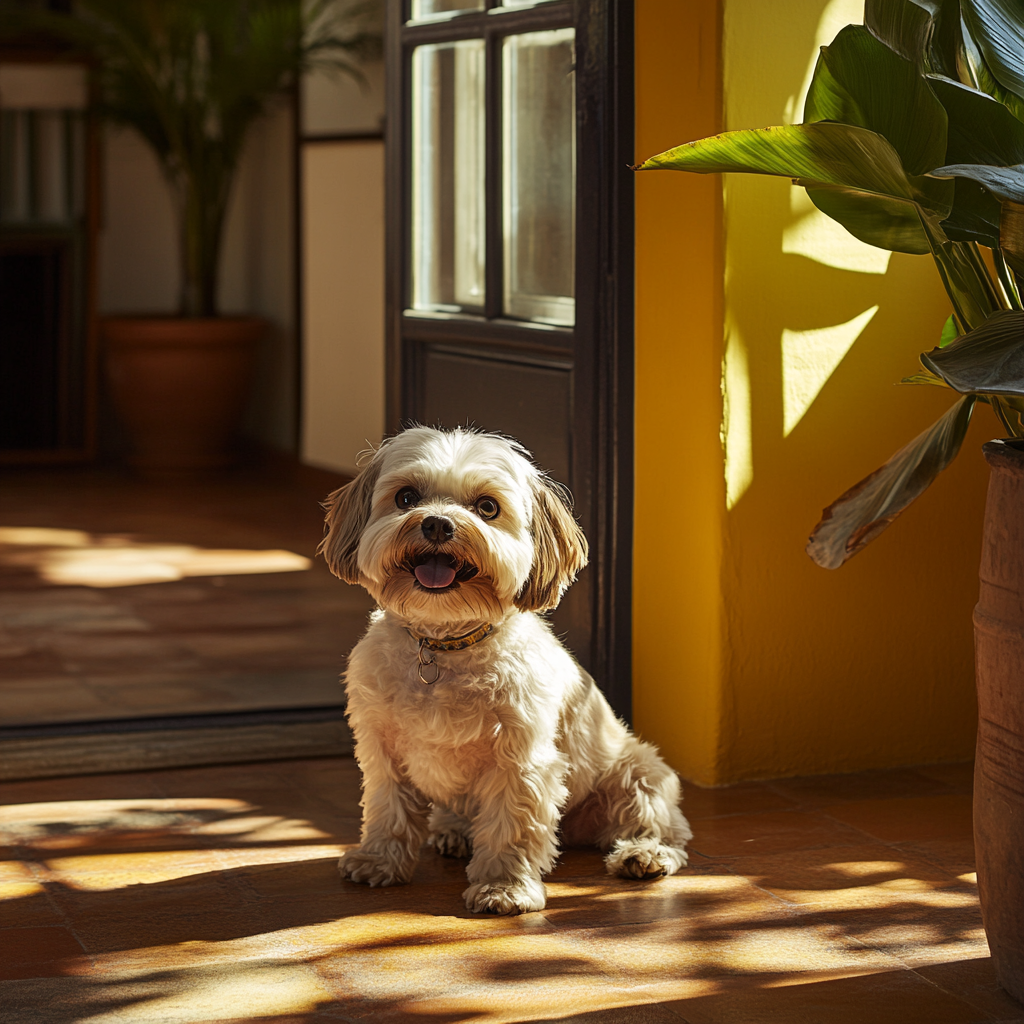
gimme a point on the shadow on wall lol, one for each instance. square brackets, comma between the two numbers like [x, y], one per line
[819, 329]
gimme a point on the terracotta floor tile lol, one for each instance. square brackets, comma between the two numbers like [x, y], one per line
[549, 966]
[899, 997]
[217, 888]
[129, 919]
[86, 787]
[974, 981]
[911, 819]
[578, 862]
[869, 875]
[523, 1002]
[825, 790]
[699, 802]
[913, 932]
[215, 992]
[36, 952]
[102, 872]
[958, 775]
[92, 653]
[700, 901]
[30, 909]
[770, 832]
[50, 701]
[953, 855]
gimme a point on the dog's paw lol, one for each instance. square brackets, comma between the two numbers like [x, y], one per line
[506, 897]
[644, 858]
[372, 869]
[451, 844]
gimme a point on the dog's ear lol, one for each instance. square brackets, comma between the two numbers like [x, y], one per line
[348, 512]
[559, 549]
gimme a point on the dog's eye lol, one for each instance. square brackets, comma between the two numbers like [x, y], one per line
[407, 497]
[487, 508]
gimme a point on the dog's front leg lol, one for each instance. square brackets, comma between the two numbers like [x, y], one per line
[515, 836]
[394, 822]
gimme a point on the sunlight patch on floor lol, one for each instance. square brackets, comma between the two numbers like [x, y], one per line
[220, 992]
[77, 559]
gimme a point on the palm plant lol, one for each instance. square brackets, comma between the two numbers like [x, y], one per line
[913, 140]
[191, 77]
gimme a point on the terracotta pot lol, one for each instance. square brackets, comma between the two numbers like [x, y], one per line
[179, 386]
[999, 769]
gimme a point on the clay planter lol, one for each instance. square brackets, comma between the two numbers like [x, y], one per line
[999, 769]
[179, 386]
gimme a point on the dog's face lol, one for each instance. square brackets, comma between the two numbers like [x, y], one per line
[453, 526]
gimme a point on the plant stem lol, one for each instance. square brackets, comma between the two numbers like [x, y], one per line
[1007, 280]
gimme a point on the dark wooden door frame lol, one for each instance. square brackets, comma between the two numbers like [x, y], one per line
[600, 344]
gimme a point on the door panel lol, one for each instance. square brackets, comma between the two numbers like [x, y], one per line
[528, 401]
[540, 132]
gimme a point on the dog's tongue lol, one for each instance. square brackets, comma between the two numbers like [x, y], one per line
[436, 572]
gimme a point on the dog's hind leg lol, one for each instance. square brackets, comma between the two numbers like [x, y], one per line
[450, 832]
[645, 833]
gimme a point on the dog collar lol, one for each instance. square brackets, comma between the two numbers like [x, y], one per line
[428, 644]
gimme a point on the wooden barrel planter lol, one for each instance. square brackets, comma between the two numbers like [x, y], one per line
[179, 386]
[999, 769]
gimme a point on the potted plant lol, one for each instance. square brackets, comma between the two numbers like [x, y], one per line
[191, 77]
[913, 140]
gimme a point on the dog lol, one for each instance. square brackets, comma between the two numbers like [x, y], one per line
[474, 726]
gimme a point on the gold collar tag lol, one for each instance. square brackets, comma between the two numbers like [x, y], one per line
[425, 660]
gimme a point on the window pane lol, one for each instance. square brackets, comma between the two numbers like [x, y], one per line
[448, 176]
[430, 8]
[539, 176]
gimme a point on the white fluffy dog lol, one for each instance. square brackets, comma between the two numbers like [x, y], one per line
[472, 722]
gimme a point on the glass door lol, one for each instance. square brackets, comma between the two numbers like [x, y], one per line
[510, 259]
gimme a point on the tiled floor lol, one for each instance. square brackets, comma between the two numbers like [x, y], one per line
[210, 894]
[227, 635]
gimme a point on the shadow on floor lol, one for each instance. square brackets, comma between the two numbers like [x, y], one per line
[211, 894]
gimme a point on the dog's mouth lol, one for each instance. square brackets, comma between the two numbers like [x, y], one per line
[437, 571]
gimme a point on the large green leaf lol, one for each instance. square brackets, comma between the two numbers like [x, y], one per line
[926, 32]
[863, 512]
[966, 279]
[981, 129]
[893, 224]
[905, 26]
[988, 360]
[975, 215]
[998, 28]
[823, 153]
[859, 80]
[1005, 182]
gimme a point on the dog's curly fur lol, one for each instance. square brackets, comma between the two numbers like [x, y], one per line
[514, 743]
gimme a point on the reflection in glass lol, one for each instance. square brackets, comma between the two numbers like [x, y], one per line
[539, 190]
[431, 8]
[448, 176]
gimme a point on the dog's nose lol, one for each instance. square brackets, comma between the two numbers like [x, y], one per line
[438, 528]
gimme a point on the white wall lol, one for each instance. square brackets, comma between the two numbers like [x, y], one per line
[343, 263]
[138, 254]
[343, 301]
[335, 104]
[342, 268]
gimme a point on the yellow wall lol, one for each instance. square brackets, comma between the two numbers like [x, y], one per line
[750, 661]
